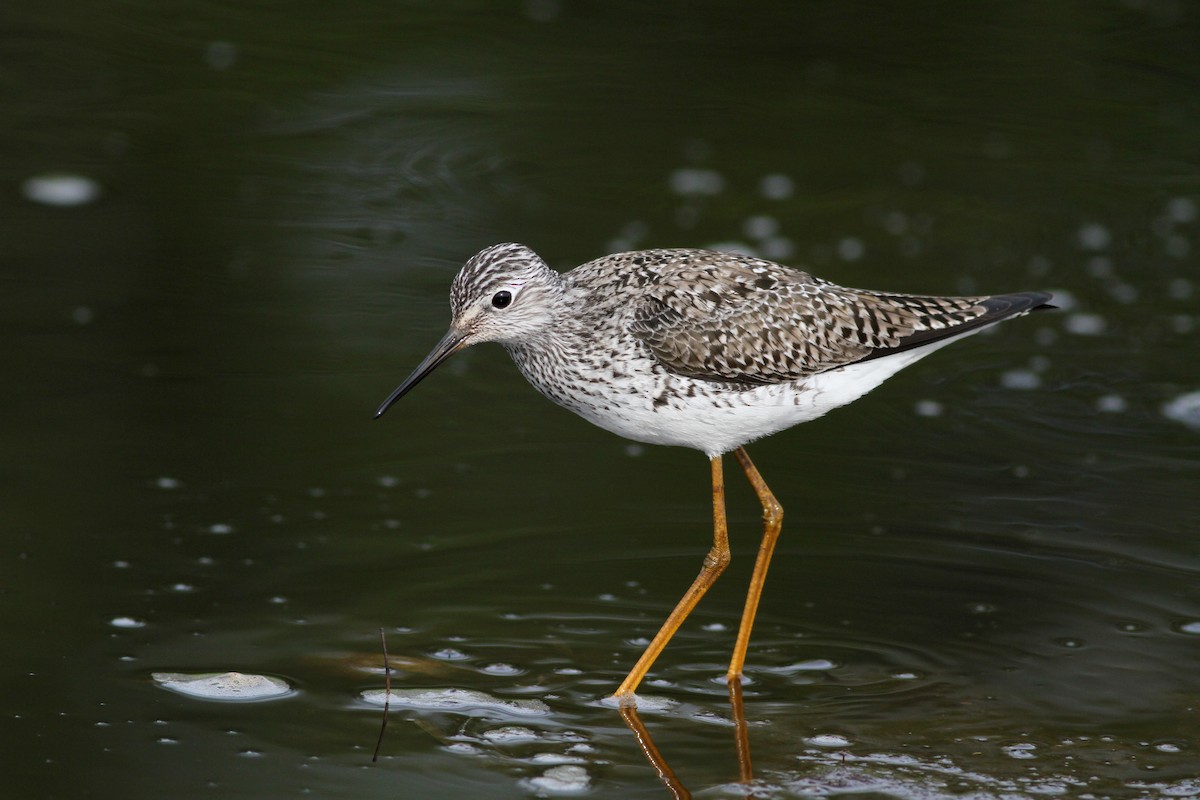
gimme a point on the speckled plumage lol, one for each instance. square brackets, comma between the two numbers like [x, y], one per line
[700, 348]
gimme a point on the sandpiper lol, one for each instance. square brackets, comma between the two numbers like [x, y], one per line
[699, 348]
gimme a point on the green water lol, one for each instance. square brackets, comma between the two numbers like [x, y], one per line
[987, 581]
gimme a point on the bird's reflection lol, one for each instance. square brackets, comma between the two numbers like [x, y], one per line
[741, 741]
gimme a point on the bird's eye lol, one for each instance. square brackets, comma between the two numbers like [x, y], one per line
[501, 299]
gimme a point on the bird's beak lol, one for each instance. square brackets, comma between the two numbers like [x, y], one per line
[451, 343]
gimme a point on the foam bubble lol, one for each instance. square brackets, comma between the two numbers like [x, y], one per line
[220, 55]
[776, 186]
[61, 189]
[1184, 409]
[566, 779]
[929, 408]
[1082, 324]
[452, 699]
[1094, 236]
[851, 249]
[223, 685]
[1020, 379]
[509, 734]
[760, 226]
[1022, 750]
[1181, 209]
[691, 181]
[828, 740]
[646, 703]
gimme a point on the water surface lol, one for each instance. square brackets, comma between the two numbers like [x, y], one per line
[230, 233]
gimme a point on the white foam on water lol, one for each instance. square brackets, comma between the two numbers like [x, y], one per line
[828, 740]
[452, 699]
[61, 189]
[223, 685]
[1184, 409]
[563, 780]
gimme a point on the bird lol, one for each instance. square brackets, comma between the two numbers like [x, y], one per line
[703, 349]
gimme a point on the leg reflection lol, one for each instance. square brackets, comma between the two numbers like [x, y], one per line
[741, 740]
[741, 736]
[652, 753]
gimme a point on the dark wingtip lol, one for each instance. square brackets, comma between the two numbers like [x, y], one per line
[1003, 306]
[998, 307]
[1043, 300]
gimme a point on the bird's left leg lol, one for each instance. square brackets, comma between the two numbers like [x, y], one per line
[772, 522]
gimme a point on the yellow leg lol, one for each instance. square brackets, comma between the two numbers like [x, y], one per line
[714, 564]
[772, 522]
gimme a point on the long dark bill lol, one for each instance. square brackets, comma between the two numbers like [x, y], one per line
[450, 344]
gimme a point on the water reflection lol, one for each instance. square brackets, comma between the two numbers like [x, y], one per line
[645, 741]
[741, 742]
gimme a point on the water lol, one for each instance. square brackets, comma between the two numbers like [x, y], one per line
[229, 233]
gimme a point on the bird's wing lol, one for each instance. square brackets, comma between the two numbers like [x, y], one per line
[729, 318]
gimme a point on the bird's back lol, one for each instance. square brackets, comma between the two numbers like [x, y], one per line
[731, 318]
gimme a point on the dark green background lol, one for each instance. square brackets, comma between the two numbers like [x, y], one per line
[1006, 593]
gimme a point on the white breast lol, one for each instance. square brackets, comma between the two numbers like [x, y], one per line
[662, 408]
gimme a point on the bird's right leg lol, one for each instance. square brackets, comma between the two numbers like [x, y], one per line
[714, 564]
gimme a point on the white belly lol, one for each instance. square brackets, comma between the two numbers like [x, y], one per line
[715, 418]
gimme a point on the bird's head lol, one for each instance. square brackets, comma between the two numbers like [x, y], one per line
[504, 293]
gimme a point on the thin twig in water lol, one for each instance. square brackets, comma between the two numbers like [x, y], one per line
[387, 695]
